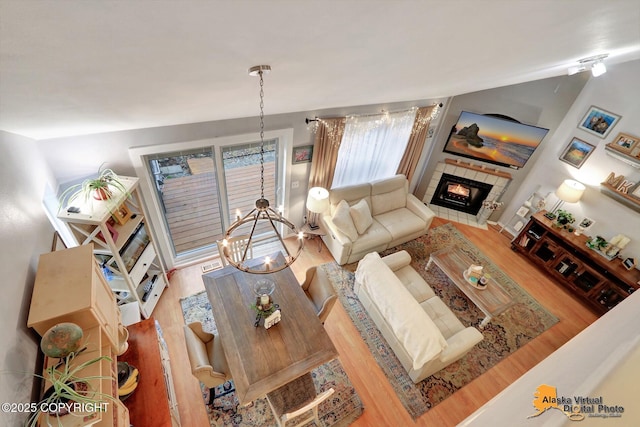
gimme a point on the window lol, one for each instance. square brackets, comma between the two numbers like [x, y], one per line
[372, 147]
[195, 189]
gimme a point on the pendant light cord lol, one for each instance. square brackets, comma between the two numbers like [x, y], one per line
[261, 136]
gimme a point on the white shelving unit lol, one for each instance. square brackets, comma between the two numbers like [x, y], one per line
[123, 245]
[521, 217]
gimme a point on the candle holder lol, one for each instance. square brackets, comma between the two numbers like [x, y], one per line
[264, 305]
[264, 308]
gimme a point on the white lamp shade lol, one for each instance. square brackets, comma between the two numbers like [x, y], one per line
[570, 191]
[317, 200]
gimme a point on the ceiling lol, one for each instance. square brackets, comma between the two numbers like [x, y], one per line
[78, 67]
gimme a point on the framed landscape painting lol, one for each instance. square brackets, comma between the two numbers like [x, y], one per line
[598, 122]
[577, 152]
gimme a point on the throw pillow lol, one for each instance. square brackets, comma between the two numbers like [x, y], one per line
[361, 216]
[343, 222]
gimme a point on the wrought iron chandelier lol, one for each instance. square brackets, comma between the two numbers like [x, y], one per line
[261, 213]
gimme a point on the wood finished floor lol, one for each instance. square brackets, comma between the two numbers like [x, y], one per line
[382, 407]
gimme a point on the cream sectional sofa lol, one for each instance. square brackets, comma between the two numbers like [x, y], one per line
[373, 217]
[423, 332]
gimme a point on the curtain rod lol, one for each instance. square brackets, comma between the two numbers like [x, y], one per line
[315, 119]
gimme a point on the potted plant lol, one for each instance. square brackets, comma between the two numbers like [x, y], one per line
[100, 188]
[67, 387]
[564, 219]
[598, 243]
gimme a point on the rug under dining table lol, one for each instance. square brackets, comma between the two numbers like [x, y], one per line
[340, 410]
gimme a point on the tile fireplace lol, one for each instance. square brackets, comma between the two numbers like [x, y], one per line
[460, 194]
[457, 189]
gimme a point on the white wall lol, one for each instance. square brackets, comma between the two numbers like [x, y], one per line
[25, 232]
[617, 91]
[601, 361]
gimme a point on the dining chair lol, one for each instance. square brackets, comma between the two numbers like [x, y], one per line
[207, 359]
[236, 247]
[320, 292]
[297, 398]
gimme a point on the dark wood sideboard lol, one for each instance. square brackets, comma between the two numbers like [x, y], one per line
[595, 280]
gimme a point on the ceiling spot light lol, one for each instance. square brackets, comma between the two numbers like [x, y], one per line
[598, 69]
[594, 63]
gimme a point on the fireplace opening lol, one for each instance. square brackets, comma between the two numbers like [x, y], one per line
[460, 194]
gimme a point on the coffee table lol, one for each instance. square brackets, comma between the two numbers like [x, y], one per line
[492, 300]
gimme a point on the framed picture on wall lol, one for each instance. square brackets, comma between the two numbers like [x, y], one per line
[577, 152]
[586, 223]
[624, 143]
[598, 122]
[302, 154]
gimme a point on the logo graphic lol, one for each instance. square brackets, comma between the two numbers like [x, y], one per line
[576, 408]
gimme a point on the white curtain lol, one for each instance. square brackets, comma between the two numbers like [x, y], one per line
[372, 147]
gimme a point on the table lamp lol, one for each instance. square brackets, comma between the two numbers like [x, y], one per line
[317, 202]
[570, 191]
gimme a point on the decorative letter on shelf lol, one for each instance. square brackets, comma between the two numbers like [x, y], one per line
[618, 189]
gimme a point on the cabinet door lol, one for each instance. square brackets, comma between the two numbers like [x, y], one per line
[546, 251]
[105, 308]
[611, 294]
[587, 279]
[566, 266]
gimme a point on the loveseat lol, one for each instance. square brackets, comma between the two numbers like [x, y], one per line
[373, 217]
[423, 332]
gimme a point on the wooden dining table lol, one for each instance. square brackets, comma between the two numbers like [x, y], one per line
[261, 360]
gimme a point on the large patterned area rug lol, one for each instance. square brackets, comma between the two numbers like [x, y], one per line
[341, 409]
[502, 336]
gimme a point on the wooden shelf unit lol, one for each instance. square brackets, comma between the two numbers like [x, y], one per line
[521, 217]
[126, 250]
[612, 150]
[70, 287]
[598, 282]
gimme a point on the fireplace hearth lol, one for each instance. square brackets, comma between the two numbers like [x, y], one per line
[460, 194]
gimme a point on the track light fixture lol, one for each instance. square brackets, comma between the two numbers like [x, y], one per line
[593, 63]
